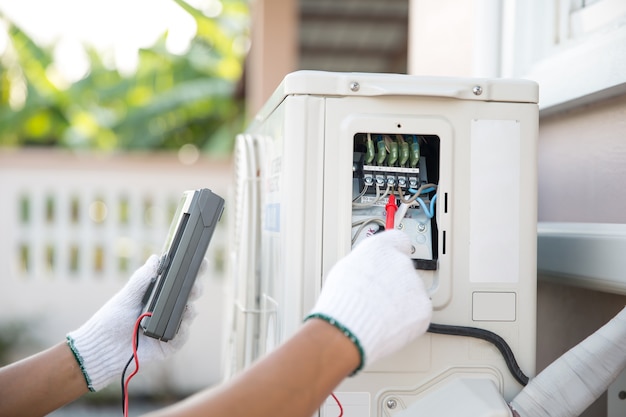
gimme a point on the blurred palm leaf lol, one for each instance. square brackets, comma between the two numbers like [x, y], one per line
[30, 102]
[169, 101]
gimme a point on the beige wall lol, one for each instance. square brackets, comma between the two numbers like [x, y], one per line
[582, 164]
[273, 52]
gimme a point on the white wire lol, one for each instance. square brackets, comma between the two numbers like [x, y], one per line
[376, 200]
[363, 223]
[400, 214]
[361, 194]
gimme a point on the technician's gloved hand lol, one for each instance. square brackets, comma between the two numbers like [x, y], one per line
[376, 297]
[103, 345]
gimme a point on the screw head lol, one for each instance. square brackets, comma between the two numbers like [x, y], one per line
[477, 90]
[622, 395]
[421, 227]
[391, 403]
[354, 86]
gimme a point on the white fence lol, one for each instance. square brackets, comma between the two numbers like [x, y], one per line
[74, 227]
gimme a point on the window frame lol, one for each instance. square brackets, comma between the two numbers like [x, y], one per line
[571, 70]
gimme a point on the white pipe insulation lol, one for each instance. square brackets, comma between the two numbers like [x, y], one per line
[575, 380]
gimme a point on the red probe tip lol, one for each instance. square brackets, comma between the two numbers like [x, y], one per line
[391, 208]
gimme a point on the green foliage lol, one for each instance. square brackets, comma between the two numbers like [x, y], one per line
[169, 101]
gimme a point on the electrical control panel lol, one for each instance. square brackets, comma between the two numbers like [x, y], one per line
[405, 169]
[333, 158]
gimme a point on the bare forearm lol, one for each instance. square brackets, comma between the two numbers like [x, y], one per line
[292, 381]
[41, 383]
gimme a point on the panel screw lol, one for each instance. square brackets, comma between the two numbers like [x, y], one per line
[622, 395]
[391, 404]
[477, 90]
[421, 227]
[354, 86]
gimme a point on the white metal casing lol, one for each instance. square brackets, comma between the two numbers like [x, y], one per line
[301, 142]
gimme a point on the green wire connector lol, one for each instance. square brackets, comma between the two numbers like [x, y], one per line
[370, 153]
[404, 150]
[382, 152]
[415, 152]
[393, 151]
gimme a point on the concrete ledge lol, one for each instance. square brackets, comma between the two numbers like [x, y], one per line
[587, 255]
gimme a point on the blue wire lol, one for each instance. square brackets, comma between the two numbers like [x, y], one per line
[429, 213]
[428, 190]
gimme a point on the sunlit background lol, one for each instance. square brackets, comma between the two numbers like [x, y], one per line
[122, 75]
[118, 29]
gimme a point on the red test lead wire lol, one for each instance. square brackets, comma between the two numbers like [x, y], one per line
[135, 341]
[338, 404]
[391, 209]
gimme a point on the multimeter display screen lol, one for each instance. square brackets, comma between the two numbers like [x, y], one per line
[174, 225]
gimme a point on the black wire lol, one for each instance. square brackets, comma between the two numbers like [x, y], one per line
[488, 336]
[132, 356]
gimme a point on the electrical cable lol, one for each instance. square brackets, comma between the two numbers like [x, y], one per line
[135, 357]
[373, 219]
[402, 209]
[424, 188]
[364, 205]
[361, 194]
[427, 190]
[430, 213]
[488, 336]
[376, 200]
[338, 404]
[123, 385]
[363, 223]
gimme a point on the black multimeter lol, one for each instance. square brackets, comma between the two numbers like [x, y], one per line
[189, 235]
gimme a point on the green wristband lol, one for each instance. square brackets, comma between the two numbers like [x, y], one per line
[79, 359]
[343, 329]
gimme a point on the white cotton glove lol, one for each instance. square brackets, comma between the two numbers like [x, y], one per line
[376, 297]
[103, 345]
